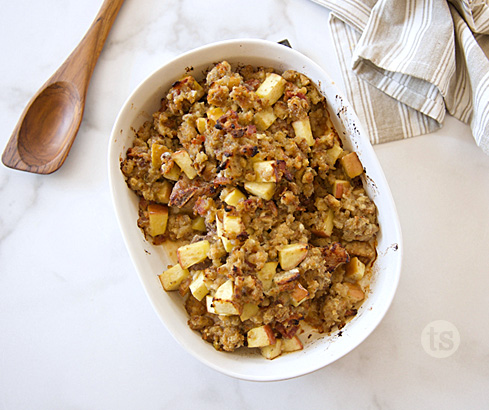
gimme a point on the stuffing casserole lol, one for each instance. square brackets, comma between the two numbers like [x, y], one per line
[245, 170]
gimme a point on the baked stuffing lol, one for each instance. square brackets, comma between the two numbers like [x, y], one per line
[245, 170]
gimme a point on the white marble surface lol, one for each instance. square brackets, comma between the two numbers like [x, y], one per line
[76, 329]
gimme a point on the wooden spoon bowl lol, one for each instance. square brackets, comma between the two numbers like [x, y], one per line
[56, 114]
[48, 126]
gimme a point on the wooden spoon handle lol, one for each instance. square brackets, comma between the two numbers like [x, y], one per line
[79, 66]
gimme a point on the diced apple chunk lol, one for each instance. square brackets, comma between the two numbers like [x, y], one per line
[264, 190]
[201, 124]
[260, 336]
[193, 253]
[285, 277]
[299, 294]
[264, 118]
[259, 156]
[183, 160]
[198, 224]
[292, 345]
[249, 310]
[209, 304]
[158, 219]
[214, 113]
[266, 274]
[351, 165]
[198, 287]
[302, 129]
[223, 301]
[228, 245]
[329, 223]
[199, 90]
[163, 194]
[234, 197]
[333, 154]
[232, 226]
[265, 171]
[157, 151]
[225, 291]
[173, 277]
[291, 255]
[340, 187]
[354, 292]
[219, 229]
[324, 229]
[271, 89]
[173, 173]
[355, 269]
[272, 351]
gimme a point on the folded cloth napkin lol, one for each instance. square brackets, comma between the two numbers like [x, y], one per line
[407, 62]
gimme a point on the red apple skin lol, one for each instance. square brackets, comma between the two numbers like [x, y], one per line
[292, 345]
[340, 188]
[270, 335]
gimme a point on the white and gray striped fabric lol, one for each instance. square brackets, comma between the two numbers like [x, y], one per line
[407, 62]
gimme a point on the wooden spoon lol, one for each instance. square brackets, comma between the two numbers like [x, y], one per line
[48, 126]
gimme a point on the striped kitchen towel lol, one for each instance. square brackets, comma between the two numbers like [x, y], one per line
[407, 62]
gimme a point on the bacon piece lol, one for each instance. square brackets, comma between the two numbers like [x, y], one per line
[185, 189]
[252, 84]
[280, 169]
[289, 328]
[242, 236]
[224, 164]
[203, 205]
[251, 129]
[228, 122]
[220, 180]
[334, 256]
[199, 139]
[249, 150]
[238, 133]
[272, 207]
[250, 205]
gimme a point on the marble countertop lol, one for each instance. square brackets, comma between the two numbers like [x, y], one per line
[76, 329]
